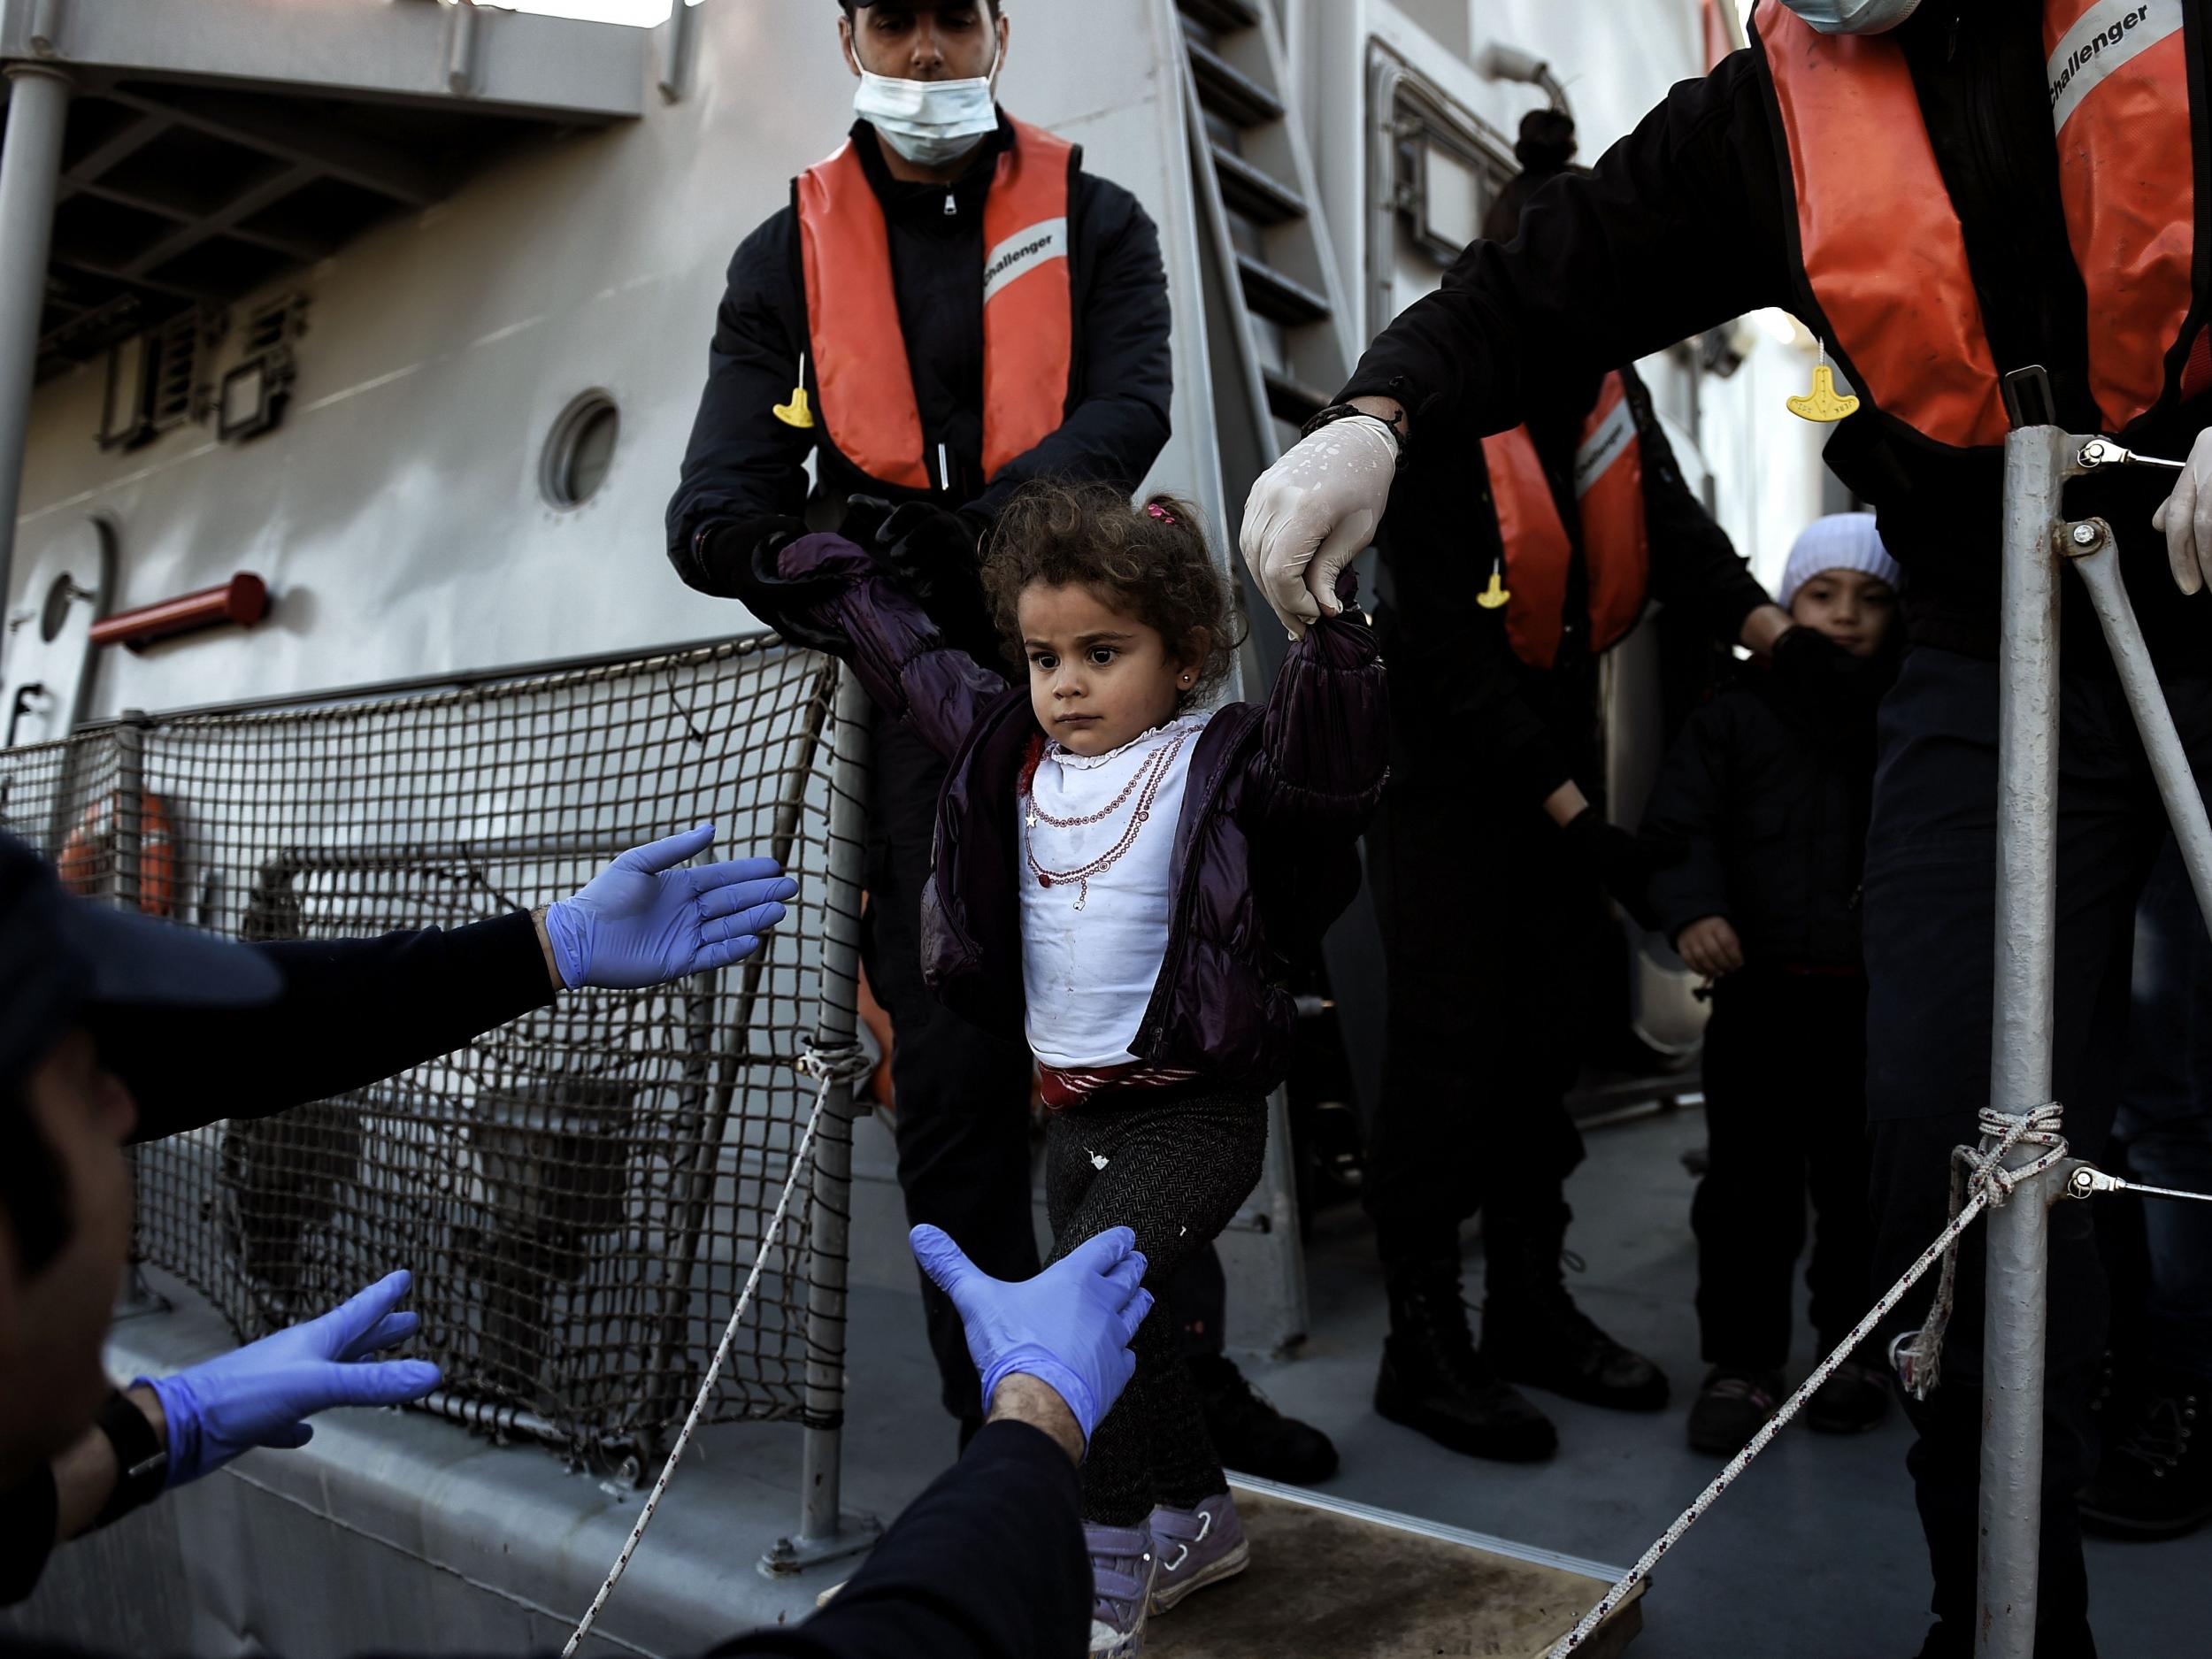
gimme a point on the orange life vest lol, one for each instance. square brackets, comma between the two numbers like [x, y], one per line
[864, 388]
[1881, 252]
[1616, 543]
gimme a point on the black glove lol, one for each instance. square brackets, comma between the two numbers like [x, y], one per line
[1828, 679]
[935, 556]
[741, 562]
[1618, 859]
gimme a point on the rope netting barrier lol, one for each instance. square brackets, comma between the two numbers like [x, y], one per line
[846, 1065]
[579, 1192]
[1980, 1179]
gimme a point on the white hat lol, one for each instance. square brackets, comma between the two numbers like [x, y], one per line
[1841, 541]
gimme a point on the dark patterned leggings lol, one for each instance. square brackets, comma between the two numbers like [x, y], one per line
[1175, 1172]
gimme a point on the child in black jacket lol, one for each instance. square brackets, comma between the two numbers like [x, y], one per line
[1757, 832]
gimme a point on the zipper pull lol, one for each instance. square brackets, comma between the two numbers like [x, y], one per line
[952, 207]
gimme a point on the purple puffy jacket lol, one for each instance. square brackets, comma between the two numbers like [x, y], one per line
[1266, 850]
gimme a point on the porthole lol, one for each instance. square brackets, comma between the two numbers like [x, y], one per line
[579, 450]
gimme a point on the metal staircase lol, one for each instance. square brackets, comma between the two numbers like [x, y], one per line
[1272, 288]
[1279, 334]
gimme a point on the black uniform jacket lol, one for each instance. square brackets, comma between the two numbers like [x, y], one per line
[353, 1012]
[745, 469]
[1532, 728]
[1760, 814]
[1684, 224]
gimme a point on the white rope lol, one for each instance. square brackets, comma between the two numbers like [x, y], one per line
[1919, 1357]
[1992, 1184]
[832, 1067]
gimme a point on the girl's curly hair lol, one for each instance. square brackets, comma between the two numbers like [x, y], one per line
[1150, 561]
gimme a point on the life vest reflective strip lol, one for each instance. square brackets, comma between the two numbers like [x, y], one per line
[1881, 251]
[1608, 481]
[865, 390]
[2119, 76]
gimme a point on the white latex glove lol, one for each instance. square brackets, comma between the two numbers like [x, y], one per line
[2186, 519]
[1313, 511]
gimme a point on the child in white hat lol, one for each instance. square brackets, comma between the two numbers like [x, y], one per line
[1757, 831]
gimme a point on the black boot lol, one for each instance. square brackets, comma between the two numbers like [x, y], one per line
[1249, 1434]
[1432, 1380]
[2156, 1479]
[1534, 1335]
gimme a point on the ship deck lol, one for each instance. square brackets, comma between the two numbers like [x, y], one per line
[428, 1539]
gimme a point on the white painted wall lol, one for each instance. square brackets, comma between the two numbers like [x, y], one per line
[396, 515]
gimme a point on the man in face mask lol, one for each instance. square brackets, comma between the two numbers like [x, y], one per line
[950, 307]
[1943, 192]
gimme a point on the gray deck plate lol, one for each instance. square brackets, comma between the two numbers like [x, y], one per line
[1335, 1585]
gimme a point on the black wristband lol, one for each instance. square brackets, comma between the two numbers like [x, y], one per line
[1346, 411]
[141, 1461]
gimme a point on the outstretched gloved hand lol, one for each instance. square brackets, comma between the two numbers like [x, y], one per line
[1069, 1327]
[2185, 517]
[649, 917]
[1311, 513]
[262, 1394]
[1618, 859]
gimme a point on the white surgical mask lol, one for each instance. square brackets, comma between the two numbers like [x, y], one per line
[932, 123]
[1853, 17]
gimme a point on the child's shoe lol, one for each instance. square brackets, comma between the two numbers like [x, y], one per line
[1195, 1547]
[1121, 1570]
[1853, 1400]
[1730, 1407]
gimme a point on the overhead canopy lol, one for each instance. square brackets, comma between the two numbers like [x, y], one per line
[211, 143]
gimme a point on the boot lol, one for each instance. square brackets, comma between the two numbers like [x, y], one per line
[1249, 1434]
[1432, 1380]
[1534, 1335]
[2154, 1480]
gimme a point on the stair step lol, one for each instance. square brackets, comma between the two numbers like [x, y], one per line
[1221, 14]
[1277, 297]
[1292, 400]
[1228, 91]
[1254, 192]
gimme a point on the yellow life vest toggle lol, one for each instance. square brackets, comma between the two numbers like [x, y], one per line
[1824, 403]
[799, 412]
[1495, 595]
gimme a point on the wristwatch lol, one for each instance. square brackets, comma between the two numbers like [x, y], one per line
[142, 1460]
[1346, 411]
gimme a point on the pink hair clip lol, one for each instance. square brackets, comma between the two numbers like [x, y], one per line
[1159, 512]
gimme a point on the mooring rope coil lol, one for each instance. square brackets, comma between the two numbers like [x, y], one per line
[1991, 1183]
[831, 1066]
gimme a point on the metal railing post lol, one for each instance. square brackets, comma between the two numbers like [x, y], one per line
[826, 1531]
[2096, 557]
[2015, 1316]
[30, 179]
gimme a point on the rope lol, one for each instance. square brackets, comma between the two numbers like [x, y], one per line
[1919, 1357]
[831, 1066]
[1992, 1184]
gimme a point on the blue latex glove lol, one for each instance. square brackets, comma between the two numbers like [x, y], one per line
[1070, 1326]
[649, 917]
[262, 1394]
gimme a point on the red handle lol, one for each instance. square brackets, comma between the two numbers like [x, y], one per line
[243, 599]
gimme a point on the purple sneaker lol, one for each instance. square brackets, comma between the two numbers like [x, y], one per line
[1122, 1564]
[1197, 1547]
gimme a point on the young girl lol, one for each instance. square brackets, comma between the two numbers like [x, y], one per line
[1122, 874]
[1757, 829]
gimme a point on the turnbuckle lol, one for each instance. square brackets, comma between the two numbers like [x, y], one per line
[2102, 452]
